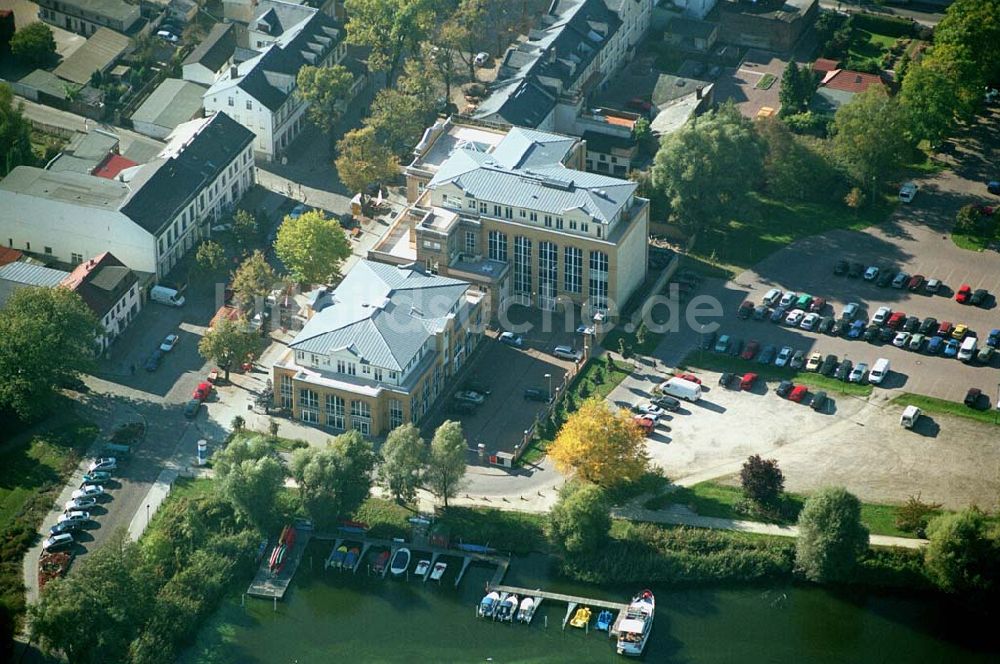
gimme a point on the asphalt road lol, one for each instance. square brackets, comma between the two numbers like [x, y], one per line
[928, 14]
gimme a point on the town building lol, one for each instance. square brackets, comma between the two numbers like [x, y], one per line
[378, 350]
[86, 17]
[172, 103]
[148, 215]
[770, 25]
[839, 86]
[511, 211]
[23, 274]
[111, 290]
[99, 53]
[260, 93]
[212, 57]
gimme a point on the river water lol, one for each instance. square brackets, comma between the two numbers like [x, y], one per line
[329, 616]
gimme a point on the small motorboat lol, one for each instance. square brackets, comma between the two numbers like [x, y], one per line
[582, 617]
[525, 610]
[438, 571]
[507, 608]
[636, 626]
[337, 557]
[381, 560]
[422, 567]
[604, 620]
[488, 605]
[400, 562]
[351, 559]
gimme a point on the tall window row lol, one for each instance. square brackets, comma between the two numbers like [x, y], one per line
[548, 264]
[572, 270]
[498, 246]
[598, 280]
[522, 265]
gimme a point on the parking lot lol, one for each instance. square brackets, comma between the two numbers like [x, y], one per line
[507, 371]
[740, 83]
[853, 442]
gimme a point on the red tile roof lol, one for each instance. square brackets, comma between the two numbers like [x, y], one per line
[850, 81]
[9, 255]
[112, 166]
[825, 64]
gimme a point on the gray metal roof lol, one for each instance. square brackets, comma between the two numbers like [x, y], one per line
[99, 52]
[32, 275]
[173, 101]
[383, 314]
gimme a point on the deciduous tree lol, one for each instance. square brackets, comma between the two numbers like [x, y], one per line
[797, 88]
[253, 278]
[325, 89]
[601, 445]
[312, 247]
[463, 32]
[228, 342]
[831, 536]
[246, 230]
[34, 45]
[390, 28]
[335, 480]
[211, 257]
[963, 553]
[870, 137]
[762, 481]
[47, 338]
[15, 134]
[707, 168]
[362, 159]
[403, 456]
[929, 98]
[973, 25]
[446, 465]
[580, 520]
[251, 478]
[398, 119]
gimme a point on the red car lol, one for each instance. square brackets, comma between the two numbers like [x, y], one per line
[895, 320]
[202, 391]
[690, 377]
[750, 350]
[964, 294]
[798, 393]
[645, 423]
[817, 305]
[945, 329]
[746, 383]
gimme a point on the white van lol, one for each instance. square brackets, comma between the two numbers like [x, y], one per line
[167, 296]
[909, 417]
[682, 389]
[967, 350]
[879, 371]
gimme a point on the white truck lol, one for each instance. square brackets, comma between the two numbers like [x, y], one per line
[682, 389]
[910, 416]
[167, 296]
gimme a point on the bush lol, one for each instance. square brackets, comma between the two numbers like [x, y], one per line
[831, 536]
[969, 221]
[884, 25]
[762, 482]
[580, 519]
[914, 515]
[962, 555]
[808, 123]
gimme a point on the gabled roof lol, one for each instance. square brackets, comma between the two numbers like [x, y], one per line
[850, 81]
[8, 255]
[100, 282]
[824, 65]
[382, 314]
[98, 53]
[172, 102]
[30, 274]
[216, 49]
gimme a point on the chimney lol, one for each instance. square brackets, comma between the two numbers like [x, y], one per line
[698, 91]
[234, 72]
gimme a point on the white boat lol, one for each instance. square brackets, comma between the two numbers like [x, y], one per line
[507, 608]
[400, 561]
[438, 571]
[489, 604]
[635, 628]
[525, 610]
[422, 567]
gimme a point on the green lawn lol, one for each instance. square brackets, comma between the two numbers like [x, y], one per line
[716, 362]
[972, 242]
[720, 501]
[771, 225]
[931, 405]
[868, 45]
[582, 388]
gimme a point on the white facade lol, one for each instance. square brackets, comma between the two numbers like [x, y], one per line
[120, 316]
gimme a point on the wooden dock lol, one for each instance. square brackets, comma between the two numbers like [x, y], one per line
[572, 602]
[274, 586]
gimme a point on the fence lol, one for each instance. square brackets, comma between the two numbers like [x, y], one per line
[554, 401]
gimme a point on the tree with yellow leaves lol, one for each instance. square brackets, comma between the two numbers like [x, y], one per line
[601, 444]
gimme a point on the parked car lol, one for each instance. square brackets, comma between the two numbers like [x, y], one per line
[963, 294]
[934, 345]
[481, 59]
[536, 394]
[567, 353]
[725, 378]
[911, 324]
[858, 373]
[105, 463]
[844, 370]
[772, 297]
[825, 325]
[871, 274]
[767, 354]
[804, 301]
[900, 280]
[901, 339]
[840, 268]
[167, 36]
[815, 360]
[857, 328]
[980, 297]
[798, 393]
[78, 518]
[203, 391]
[691, 378]
[951, 348]
[722, 345]
[945, 329]
[96, 477]
[985, 354]
[784, 355]
[907, 192]
[66, 527]
[511, 339]
[784, 387]
[798, 360]
[896, 320]
[169, 342]
[646, 423]
[993, 186]
[649, 409]
[960, 331]
[817, 305]
[916, 342]
[760, 312]
[794, 317]
[829, 365]
[666, 402]
[819, 401]
[916, 283]
[973, 397]
[932, 286]
[810, 322]
[153, 361]
[58, 542]
[747, 381]
[191, 409]
[928, 325]
[736, 348]
[79, 504]
[871, 333]
[993, 340]
[750, 350]
[88, 491]
[469, 396]
[886, 278]
[881, 315]
[886, 334]
[840, 328]
[788, 299]
[778, 314]
[855, 270]
[850, 311]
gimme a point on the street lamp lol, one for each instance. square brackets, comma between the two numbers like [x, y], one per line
[548, 377]
[147, 515]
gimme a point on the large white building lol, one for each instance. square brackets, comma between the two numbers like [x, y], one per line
[148, 216]
[260, 92]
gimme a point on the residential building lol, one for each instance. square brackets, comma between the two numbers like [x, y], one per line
[99, 53]
[692, 34]
[111, 290]
[546, 81]
[212, 57]
[610, 137]
[86, 17]
[509, 210]
[379, 349]
[171, 104]
[17, 275]
[149, 216]
[839, 86]
[85, 152]
[770, 25]
[260, 92]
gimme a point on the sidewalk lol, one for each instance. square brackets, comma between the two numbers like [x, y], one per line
[679, 518]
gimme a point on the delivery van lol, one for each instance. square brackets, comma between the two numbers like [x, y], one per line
[967, 350]
[682, 389]
[910, 416]
[167, 296]
[879, 371]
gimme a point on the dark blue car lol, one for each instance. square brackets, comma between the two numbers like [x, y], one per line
[153, 363]
[857, 329]
[934, 345]
[993, 341]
